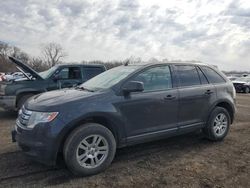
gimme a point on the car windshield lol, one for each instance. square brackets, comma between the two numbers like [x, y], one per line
[109, 78]
[244, 79]
[46, 74]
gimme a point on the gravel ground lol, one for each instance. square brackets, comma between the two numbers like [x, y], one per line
[184, 161]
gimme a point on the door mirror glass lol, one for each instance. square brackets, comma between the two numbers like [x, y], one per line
[133, 86]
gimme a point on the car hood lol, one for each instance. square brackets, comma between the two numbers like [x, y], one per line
[25, 68]
[54, 99]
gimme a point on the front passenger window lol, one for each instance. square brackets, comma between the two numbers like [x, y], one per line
[70, 73]
[156, 78]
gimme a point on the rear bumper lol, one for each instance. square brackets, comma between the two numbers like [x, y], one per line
[8, 102]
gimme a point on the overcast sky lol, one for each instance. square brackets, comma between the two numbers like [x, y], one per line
[212, 31]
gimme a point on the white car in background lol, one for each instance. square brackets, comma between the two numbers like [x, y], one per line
[1, 76]
[13, 76]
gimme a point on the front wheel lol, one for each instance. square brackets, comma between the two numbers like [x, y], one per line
[218, 124]
[89, 149]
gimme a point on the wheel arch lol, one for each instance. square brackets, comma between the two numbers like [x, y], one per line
[228, 106]
[100, 119]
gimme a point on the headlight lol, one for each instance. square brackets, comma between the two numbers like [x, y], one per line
[41, 117]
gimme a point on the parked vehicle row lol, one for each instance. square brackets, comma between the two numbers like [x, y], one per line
[242, 84]
[126, 105]
[14, 93]
[12, 76]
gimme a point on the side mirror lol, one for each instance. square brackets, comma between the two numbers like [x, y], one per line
[133, 86]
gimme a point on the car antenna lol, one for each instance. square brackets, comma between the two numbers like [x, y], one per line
[126, 63]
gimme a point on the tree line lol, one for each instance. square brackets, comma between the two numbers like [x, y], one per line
[51, 54]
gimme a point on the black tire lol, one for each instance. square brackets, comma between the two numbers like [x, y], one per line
[246, 90]
[22, 100]
[209, 130]
[76, 137]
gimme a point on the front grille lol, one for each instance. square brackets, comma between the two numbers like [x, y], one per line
[23, 117]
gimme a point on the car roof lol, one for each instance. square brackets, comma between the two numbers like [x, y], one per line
[170, 63]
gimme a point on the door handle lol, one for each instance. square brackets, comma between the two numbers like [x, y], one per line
[169, 97]
[208, 92]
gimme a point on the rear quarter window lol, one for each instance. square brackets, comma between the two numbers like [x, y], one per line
[213, 76]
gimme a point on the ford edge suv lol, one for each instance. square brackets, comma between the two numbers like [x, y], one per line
[126, 105]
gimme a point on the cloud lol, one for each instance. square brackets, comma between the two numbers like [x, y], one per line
[215, 32]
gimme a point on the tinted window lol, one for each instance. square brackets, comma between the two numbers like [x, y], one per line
[64, 73]
[188, 75]
[157, 78]
[202, 77]
[70, 73]
[90, 72]
[212, 76]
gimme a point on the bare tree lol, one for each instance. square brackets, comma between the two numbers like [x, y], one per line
[53, 54]
[37, 64]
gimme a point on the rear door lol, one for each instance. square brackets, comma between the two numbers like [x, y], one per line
[195, 96]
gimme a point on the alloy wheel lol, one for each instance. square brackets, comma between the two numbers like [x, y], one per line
[92, 151]
[220, 124]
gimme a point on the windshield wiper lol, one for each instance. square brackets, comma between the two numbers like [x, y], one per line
[84, 88]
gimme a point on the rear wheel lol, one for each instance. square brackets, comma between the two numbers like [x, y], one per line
[218, 124]
[89, 149]
[22, 100]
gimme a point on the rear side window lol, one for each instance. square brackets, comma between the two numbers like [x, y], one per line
[70, 73]
[212, 76]
[188, 75]
[202, 76]
[90, 72]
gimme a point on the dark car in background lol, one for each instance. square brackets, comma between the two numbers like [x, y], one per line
[15, 92]
[242, 84]
[123, 106]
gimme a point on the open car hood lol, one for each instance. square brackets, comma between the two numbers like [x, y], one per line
[25, 68]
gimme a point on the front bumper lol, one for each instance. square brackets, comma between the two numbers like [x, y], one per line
[8, 102]
[37, 143]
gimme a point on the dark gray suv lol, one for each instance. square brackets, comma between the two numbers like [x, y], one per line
[126, 105]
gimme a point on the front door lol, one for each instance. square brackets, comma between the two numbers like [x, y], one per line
[66, 77]
[155, 109]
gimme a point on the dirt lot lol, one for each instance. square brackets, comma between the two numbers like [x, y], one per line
[186, 161]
